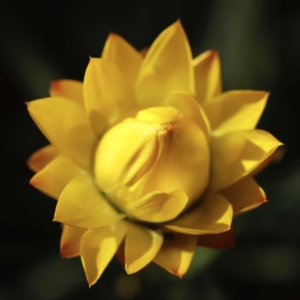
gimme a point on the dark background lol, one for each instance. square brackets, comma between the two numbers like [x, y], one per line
[259, 45]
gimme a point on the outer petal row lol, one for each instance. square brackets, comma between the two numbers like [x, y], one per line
[81, 205]
[212, 215]
[66, 126]
[236, 154]
[70, 241]
[98, 246]
[244, 195]
[235, 110]
[66, 88]
[107, 94]
[176, 254]
[122, 54]
[141, 246]
[166, 68]
[53, 178]
[208, 81]
[39, 159]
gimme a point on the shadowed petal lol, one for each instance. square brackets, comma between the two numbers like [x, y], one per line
[81, 205]
[98, 246]
[212, 215]
[158, 207]
[121, 53]
[244, 195]
[222, 240]
[70, 241]
[39, 159]
[166, 68]
[235, 110]
[66, 126]
[176, 254]
[236, 154]
[208, 79]
[66, 88]
[107, 94]
[52, 179]
[141, 246]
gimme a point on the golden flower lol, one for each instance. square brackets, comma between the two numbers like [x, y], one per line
[148, 158]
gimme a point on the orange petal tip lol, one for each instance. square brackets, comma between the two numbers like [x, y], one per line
[66, 251]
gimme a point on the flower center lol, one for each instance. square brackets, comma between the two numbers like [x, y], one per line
[160, 150]
[166, 129]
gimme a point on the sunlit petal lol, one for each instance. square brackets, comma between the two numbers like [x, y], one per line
[236, 154]
[235, 110]
[107, 94]
[208, 80]
[121, 53]
[244, 195]
[39, 159]
[52, 179]
[81, 205]
[141, 246]
[66, 126]
[176, 254]
[166, 68]
[212, 215]
[98, 246]
[70, 241]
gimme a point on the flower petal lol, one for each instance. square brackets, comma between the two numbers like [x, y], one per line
[70, 241]
[244, 195]
[208, 80]
[107, 94]
[66, 88]
[121, 53]
[81, 205]
[235, 110]
[166, 68]
[236, 154]
[188, 104]
[158, 207]
[98, 246]
[212, 215]
[52, 179]
[176, 254]
[141, 246]
[65, 125]
[39, 159]
[224, 240]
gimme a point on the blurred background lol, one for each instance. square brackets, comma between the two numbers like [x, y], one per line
[259, 45]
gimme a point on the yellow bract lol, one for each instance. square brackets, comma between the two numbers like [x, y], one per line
[148, 157]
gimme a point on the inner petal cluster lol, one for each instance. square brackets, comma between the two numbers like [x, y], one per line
[160, 150]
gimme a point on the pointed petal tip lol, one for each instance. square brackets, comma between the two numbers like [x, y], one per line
[66, 251]
[32, 180]
[128, 269]
[179, 275]
[264, 200]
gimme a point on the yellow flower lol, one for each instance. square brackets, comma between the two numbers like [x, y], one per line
[148, 158]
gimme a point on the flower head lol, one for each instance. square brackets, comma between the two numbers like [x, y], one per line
[148, 158]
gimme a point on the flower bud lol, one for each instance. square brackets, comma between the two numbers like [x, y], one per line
[160, 150]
